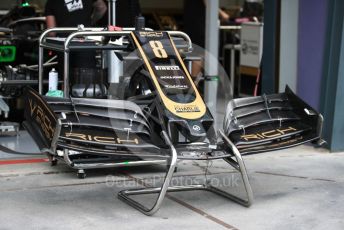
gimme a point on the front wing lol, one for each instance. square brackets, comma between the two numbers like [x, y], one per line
[271, 122]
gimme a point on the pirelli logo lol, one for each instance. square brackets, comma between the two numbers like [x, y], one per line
[268, 134]
[167, 67]
[186, 108]
[151, 34]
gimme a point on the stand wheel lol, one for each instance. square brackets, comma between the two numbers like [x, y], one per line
[53, 162]
[81, 174]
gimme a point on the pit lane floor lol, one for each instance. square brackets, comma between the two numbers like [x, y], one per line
[299, 188]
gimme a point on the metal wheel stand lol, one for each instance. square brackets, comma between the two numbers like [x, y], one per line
[238, 164]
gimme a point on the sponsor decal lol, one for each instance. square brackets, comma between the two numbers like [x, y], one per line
[101, 139]
[186, 108]
[150, 34]
[167, 67]
[37, 113]
[268, 134]
[176, 86]
[196, 128]
[171, 77]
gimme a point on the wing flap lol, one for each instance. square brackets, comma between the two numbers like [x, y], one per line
[271, 122]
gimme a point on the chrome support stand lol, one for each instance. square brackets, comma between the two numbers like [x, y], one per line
[320, 141]
[40, 69]
[124, 195]
[238, 165]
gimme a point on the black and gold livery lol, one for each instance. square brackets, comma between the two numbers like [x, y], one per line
[178, 103]
[161, 117]
[270, 122]
[161, 97]
[41, 120]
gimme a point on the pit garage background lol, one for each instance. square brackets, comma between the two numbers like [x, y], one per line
[302, 47]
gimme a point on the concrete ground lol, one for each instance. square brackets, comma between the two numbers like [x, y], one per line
[299, 188]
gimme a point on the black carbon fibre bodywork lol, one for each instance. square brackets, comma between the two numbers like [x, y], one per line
[162, 118]
[161, 97]
[271, 122]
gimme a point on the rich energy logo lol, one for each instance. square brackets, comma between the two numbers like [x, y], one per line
[42, 119]
[101, 139]
[268, 134]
